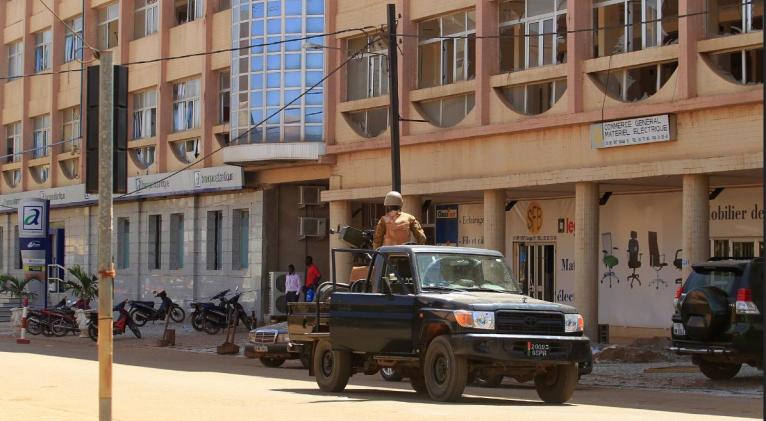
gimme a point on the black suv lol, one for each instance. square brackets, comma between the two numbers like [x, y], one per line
[718, 318]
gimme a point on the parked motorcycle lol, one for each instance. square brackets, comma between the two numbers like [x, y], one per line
[217, 319]
[197, 316]
[123, 321]
[56, 321]
[143, 311]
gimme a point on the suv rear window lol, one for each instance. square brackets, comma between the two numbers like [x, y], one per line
[726, 280]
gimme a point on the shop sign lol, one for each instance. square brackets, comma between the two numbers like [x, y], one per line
[33, 236]
[446, 225]
[634, 131]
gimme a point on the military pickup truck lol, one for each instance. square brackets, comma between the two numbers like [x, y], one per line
[441, 316]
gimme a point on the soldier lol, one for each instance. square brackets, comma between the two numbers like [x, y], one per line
[395, 226]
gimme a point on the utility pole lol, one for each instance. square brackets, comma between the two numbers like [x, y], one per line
[105, 266]
[393, 95]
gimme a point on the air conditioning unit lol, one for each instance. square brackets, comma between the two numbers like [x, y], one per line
[310, 196]
[312, 227]
[277, 295]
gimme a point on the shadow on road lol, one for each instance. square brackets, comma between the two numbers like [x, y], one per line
[129, 351]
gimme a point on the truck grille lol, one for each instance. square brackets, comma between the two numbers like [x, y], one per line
[265, 336]
[536, 323]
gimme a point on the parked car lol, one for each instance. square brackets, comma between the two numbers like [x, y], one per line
[719, 317]
[271, 345]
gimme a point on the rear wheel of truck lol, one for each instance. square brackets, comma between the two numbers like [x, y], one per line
[557, 384]
[418, 381]
[272, 362]
[445, 373]
[332, 369]
[719, 371]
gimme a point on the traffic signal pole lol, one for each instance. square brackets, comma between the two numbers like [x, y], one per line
[105, 211]
[393, 95]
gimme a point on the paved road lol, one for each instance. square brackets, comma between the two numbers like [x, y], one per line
[58, 381]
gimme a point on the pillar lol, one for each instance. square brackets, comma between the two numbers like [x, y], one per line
[579, 47]
[340, 215]
[587, 255]
[690, 30]
[695, 230]
[413, 206]
[487, 62]
[494, 220]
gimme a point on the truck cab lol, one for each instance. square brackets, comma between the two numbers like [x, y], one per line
[441, 315]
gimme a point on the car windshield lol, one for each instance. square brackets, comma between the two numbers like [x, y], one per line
[465, 272]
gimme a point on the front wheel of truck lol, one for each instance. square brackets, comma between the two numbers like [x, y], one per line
[557, 384]
[445, 373]
[332, 369]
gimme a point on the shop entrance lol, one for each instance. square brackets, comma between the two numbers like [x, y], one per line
[533, 264]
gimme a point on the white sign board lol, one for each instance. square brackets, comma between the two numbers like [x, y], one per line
[635, 131]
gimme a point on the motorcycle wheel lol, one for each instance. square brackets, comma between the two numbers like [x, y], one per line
[59, 327]
[135, 330]
[177, 314]
[47, 331]
[138, 318]
[93, 332]
[34, 327]
[211, 328]
[197, 321]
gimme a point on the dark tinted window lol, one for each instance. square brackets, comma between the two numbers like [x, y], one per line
[725, 280]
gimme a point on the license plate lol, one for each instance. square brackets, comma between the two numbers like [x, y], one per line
[261, 348]
[538, 350]
[678, 329]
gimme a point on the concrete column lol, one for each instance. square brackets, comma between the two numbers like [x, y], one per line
[690, 30]
[587, 255]
[412, 205]
[340, 214]
[695, 230]
[579, 47]
[494, 220]
[487, 62]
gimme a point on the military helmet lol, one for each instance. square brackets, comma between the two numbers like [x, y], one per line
[393, 198]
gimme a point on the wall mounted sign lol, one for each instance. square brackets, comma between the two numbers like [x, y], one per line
[634, 131]
[446, 225]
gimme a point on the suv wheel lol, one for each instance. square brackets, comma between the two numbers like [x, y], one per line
[390, 374]
[719, 371]
[484, 379]
[445, 373]
[557, 384]
[332, 369]
[272, 362]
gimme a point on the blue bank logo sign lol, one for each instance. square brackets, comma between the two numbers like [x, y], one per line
[32, 218]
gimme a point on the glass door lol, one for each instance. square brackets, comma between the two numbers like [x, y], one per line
[534, 267]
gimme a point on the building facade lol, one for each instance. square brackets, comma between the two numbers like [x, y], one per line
[191, 223]
[603, 146]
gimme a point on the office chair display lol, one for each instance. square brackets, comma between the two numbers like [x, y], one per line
[609, 259]
[634, 258]
[656, 260]
[678, 263]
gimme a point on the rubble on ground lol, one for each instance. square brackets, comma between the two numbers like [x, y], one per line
[642, 350]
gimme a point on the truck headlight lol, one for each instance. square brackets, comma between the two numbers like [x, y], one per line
[573, 323]
[475, 319]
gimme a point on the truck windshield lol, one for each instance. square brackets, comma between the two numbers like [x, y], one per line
[465, 272]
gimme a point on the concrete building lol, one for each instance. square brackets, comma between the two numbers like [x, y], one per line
[562, 132]
[193, 220]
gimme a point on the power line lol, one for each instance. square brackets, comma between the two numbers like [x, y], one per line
[245, 133]
[48, 146]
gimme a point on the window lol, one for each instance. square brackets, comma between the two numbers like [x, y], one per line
[214, 240]
[396, 277]
[146, 18]
[443, 61]
[367, 74]
[108, 26]
[368, 123]
[447, 112]
[632, 25]
[12, 177]
[186, 150]
[145, 114]
[186, 105]
[224, 102]
[16, 250]
[535, 98]
[70, 168]
[41, 127]
[726, 17]
[742, 66]
[40, 173]
[240, 244]
[532, 36]
[155, 242]
[143, 157]
[15, 59]
[43, 50]
[637, 83]
[13, 142]
[123, 243]
[188, 10]
[71, 119]
[73, 40]
[176, 241]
